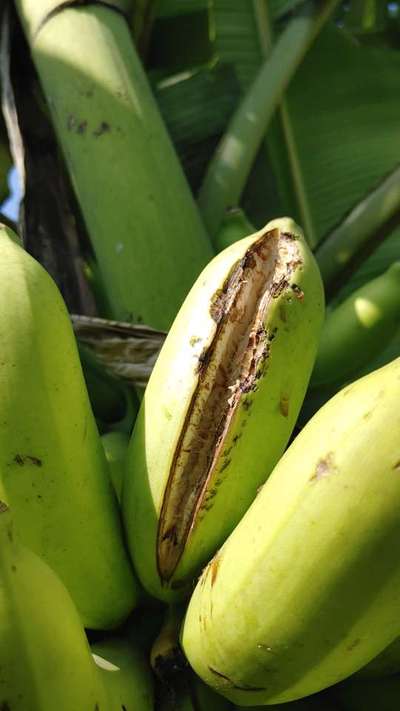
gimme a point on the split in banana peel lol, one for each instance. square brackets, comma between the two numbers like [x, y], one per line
[221, 403]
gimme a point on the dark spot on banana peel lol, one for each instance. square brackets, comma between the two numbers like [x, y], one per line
[22, 459]
[397, 465]
[353, 645]
[232, 685]
[324, 467]
[279, 286]
[103, 127]
[3, 507]
[5, 706]
[284, 405]
[227, 369]
[299, 293]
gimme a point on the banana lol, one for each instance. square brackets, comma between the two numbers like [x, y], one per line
[115, 448]
[125, 675]
[235, 226]
[358, 329]
[45, 659]
[305, 591]
[51, 458]
[166, 656]
[221, 403]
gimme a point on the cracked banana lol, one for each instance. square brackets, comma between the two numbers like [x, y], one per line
[221, 403]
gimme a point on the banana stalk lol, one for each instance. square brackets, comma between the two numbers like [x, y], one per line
[140, 215]
[305, 591]
[220, 404]
[51, 458]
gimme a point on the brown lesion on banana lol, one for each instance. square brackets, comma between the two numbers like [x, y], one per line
[325, 466]
[227, 683]
[228, 374]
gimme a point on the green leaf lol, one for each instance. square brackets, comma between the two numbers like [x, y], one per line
[344, 104]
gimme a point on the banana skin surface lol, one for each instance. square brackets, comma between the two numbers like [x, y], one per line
[52, 463]
[45, 659]
[221, 403]
[306, 590]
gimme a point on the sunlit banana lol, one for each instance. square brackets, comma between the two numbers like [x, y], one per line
[45, 659]
[359, 328]
[221, 403]
[125, 675]
[51, 459]
[306, 589]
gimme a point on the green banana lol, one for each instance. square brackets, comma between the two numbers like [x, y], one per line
[125, 675]
[45, 659]
[235, 226]
[369, 694]
[115, 446]
[358, 329]
[51, 458]
[141, 217]
[305, 591]
[221, 403]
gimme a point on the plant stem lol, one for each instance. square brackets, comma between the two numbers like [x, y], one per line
[230, 166]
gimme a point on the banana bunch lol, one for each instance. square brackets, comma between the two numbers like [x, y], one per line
[221, 404]
[305, 591]
[52, 464]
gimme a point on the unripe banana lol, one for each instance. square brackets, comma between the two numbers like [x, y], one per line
[221, 403]
[306, 589]
[359, 328]
[125, 675]
[235, 226]
[51, 458]
[45, 659]
[115, 446]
